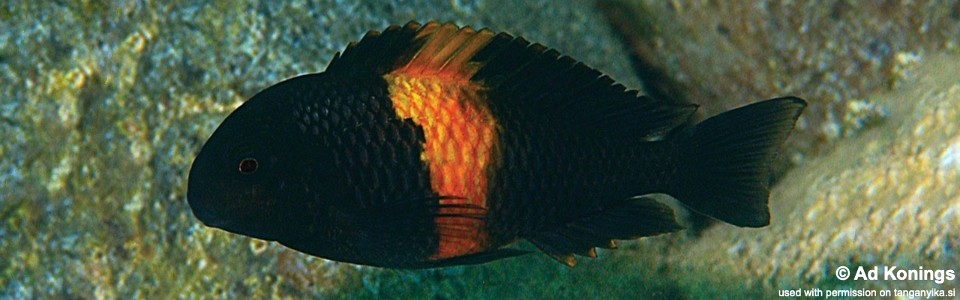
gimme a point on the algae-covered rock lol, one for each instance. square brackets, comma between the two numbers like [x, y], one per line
[104, 104]
[102, 107]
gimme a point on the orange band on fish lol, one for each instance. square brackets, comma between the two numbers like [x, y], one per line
[433, 90]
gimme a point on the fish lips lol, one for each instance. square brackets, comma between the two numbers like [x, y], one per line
[199, 203]
[199, 198]
[216, 219]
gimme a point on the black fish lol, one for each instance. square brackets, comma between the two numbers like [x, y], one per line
[435, 145]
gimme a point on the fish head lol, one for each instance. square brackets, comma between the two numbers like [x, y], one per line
[246, 178]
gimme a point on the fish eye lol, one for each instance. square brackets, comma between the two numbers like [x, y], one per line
[248, 165]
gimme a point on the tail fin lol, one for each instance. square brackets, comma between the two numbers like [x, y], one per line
[725, 161]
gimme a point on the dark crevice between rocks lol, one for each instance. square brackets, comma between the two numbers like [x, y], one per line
[637, 33]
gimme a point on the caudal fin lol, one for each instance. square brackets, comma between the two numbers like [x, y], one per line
[725, 161]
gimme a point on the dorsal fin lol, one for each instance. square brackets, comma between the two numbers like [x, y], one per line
[433, 49]
[518, 73]
[513, 74]
[376, 53]
[446, 52]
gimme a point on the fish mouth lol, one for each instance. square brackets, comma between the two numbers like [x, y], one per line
[210, 218]
[199, 203]
[203, 212]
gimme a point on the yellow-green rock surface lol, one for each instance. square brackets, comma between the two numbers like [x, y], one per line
[102, 108]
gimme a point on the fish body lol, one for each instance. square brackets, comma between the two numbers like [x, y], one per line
[434, 145]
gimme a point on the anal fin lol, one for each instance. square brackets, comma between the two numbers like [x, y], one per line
[633, 218]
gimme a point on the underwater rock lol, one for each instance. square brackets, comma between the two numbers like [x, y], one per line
[887, 197]
[724, 54]
[103, 107]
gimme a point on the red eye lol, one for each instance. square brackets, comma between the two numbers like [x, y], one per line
[248, 165]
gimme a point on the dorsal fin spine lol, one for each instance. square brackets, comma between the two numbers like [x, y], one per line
[446, 52]
[461, 57]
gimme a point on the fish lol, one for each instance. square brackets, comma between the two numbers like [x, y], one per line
[434, 145]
